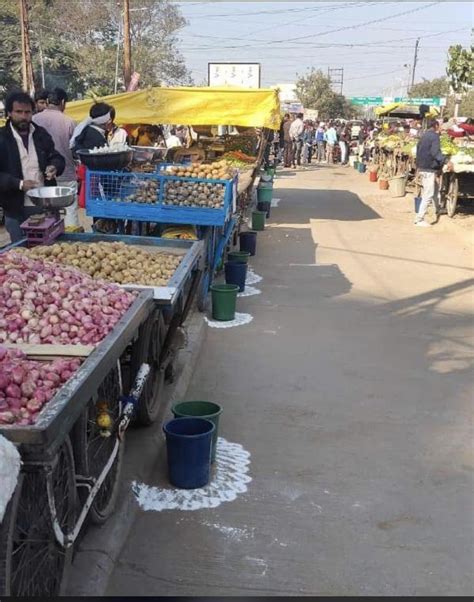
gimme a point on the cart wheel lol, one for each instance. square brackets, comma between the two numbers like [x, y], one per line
[32, 563]
[452, 195]
[148, 349]
[92, 450]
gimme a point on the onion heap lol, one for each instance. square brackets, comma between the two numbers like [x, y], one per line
[43, 302]
[27, 385]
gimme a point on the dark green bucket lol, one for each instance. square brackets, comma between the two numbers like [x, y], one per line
[203, 409]
[258, 220]
[264, 194]
[224, 301]
[239, 256]
[270, 171]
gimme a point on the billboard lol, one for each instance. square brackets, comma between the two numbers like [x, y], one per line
[244, 75]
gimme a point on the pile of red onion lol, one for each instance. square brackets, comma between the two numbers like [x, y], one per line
[26, 385]
[43, 302]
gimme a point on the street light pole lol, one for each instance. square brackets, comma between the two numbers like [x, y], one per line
[127, 46]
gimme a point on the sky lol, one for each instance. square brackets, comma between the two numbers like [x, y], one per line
[374, 42]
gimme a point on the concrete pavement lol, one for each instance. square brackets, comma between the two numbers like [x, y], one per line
[352, 390]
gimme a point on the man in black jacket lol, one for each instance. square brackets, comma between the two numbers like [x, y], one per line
[28, 159]
[429, 161]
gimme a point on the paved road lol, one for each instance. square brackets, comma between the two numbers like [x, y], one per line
[351, 389]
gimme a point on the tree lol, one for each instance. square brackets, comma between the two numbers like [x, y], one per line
[460, 70]
[75, 42]
[429, 88]
[314, 92]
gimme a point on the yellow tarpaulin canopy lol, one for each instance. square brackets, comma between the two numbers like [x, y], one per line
[390, 108]
[190, 106]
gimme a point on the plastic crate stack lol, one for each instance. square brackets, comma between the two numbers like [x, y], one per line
[160, 198]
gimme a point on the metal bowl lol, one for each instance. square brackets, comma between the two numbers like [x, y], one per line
[107, 161]
[52, 197]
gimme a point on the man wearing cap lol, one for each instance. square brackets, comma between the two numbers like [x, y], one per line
[429, 161]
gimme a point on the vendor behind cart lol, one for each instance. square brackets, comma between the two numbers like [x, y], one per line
[92, 132]
[28, 159]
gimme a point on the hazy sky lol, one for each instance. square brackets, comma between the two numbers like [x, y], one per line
[373, 42]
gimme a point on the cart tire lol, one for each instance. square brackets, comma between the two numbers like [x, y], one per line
[92, 451]
[452, 195]
[148, 349]
[32, 563]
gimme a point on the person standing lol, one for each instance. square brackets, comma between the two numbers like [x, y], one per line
[296, 135]
[28, 159]
[41, 100]
[319, 138]
[92, 132]
[116, 135]
[61, 128]
[429, 161]
[344, 140]
[330, 138]
[287, 144]
[308, 141]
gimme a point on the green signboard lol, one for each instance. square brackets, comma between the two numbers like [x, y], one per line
[367, 100]
[434, 101]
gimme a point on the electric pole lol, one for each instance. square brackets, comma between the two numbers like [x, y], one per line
[415, 58]
[26, 65]
[127, 46]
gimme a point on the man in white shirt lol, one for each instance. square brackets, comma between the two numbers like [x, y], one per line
[296, 135]
[173, 141]
[331, 140]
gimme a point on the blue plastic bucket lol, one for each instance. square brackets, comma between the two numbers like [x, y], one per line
[189, 446]
[417, 200]
[236, 273]
[248, 242]
[361, 167]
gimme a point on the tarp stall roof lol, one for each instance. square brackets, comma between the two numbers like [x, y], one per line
[190, 106]
[403, 109]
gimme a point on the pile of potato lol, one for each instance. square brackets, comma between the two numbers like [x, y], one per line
[113, 261]
[194, 194]
[146, 192]
[219, 170]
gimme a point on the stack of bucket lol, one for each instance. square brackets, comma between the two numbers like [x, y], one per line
[191, 442]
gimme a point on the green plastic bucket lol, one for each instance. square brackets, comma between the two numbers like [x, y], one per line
[270, 171]
[239, 256]
[258, 220]
[224, 301]
[200, 409]
[264, 194]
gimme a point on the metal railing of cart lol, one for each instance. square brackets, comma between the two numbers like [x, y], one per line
[144, 198]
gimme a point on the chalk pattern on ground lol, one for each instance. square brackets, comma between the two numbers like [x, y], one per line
[229, 479]
[252, 277]
[249, 292]
[239, 320]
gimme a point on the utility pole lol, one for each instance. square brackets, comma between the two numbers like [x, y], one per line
[127, 45]
[415, 58]
[26, 65]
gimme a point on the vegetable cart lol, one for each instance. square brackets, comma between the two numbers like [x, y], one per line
[115, 195]
[71, 461]
[456, 185]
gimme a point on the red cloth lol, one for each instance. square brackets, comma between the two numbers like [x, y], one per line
[467, 128]
[81, 176]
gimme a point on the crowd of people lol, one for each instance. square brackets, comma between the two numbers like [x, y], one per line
[299, 141]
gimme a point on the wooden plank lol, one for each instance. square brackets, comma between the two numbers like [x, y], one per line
[48, 350]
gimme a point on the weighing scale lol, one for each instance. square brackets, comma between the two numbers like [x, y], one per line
[44, 228]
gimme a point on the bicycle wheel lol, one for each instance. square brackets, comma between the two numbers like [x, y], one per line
[148, 349]
[32, 563]
[93, 450]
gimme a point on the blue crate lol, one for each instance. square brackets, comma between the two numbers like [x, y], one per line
[107, 192]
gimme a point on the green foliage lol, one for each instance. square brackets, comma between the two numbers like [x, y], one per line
[78, 43]
[460, 68]
[429, 88]
[314, 92]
